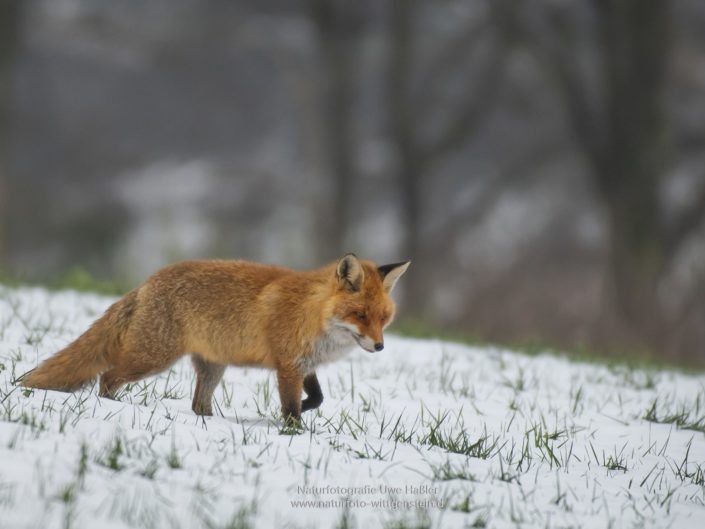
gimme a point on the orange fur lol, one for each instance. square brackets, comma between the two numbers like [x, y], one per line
[231, 313]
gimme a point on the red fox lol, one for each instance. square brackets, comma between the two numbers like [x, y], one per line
[232, 313]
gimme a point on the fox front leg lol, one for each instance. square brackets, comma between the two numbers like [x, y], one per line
[291, 384]
[313, 393]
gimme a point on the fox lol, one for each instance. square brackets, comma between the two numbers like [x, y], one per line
[232, 313]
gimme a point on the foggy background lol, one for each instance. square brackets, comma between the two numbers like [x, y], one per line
[540, 161]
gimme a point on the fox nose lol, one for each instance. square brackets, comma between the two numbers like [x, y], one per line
[379, 346]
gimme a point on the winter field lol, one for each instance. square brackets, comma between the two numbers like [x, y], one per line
[423, 434]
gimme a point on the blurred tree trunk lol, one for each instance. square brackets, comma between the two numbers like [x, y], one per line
[9, 32]
[618, 113]
[338, 25]
[409, 171]
[632, 158]
[410, 107]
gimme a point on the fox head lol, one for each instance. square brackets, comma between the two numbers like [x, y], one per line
[363, 305]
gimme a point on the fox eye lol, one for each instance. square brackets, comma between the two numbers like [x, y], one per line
[360, 315]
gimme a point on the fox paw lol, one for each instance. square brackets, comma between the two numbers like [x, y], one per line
[202, 409]
[292, 426]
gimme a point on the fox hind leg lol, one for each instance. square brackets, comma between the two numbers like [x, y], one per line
[116, 377]
[132, 367]
[208, 375]
[150, 345]
[313, 392]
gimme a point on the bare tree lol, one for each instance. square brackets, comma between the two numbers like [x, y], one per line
[338, 26]
[611, 65]
[413, 99]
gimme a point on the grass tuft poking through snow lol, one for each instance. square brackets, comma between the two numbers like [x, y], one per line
[425, 434]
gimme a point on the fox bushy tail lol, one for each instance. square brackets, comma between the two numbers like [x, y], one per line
[89, 355]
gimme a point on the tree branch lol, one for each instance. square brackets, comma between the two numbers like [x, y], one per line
[520, 171]
[473, 111]
[558, 57]
[446, 61]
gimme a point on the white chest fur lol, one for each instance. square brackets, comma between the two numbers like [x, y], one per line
[334, 344]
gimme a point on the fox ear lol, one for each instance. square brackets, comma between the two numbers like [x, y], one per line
[350, 273]
[391, 272]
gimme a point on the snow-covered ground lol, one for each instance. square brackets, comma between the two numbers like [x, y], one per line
[423, 434]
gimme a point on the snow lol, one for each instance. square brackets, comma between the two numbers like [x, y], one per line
[543, 442]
